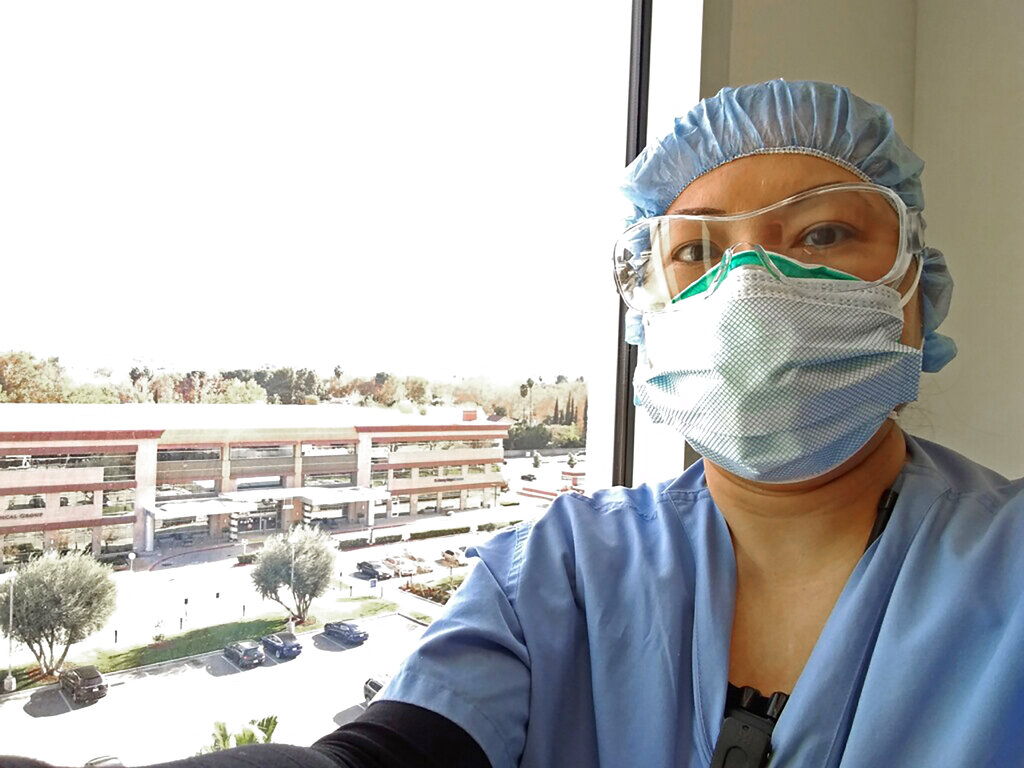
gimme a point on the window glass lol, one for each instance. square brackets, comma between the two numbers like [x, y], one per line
[368, 226]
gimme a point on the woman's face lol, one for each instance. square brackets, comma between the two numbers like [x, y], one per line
[754, 182]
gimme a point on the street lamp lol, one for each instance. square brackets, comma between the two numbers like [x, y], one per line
[131, 561]
[9, 682]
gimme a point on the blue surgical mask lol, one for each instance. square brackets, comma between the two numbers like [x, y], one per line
[777, 377]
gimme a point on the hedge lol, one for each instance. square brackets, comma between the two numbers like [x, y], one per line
[390, 539]
[353, 543]
[438, 532]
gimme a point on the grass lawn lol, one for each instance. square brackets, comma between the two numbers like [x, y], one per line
[207, 639]
[421, 617]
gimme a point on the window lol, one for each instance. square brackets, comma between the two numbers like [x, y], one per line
[261, 452]
[214, 153]
[116, 466]
[333, 449]
[119, 502]
[342, 479]
[188, 454]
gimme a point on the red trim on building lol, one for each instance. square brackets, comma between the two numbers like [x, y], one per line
[476, 427]
[336, 441]
[188, 446]
[32, 489]
[25, 437]
[57, 451]
[262, 443]
[36, 527]
[427, 439]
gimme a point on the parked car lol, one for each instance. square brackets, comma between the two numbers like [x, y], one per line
[83, 684]
[373, 685]
[283, 645]
[529, 478]
[245, 654]
[346, 632]
[451, 558]
[374, 569]
[403, 568]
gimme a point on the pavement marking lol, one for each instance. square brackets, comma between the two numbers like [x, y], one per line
[66, 702]
[269, 657]
[229, 661]
[333, 641]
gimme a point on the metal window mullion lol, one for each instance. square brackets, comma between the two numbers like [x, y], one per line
[636, 138]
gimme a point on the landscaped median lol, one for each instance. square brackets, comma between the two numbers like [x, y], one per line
[209, 639]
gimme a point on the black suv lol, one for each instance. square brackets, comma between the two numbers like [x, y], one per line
[84, 684]
[282, 644]
[352, 634]
[373, 569]
[245, 654]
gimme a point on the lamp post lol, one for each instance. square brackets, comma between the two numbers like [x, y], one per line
[9, 682]
[131, 561]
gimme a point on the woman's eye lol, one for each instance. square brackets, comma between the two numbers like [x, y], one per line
[826, 236]
[694, 253]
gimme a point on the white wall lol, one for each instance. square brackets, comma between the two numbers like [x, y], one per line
[968, 118]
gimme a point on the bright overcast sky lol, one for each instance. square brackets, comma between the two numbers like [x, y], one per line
[417, 187]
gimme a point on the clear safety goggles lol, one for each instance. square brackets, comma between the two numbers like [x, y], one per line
[856, 233]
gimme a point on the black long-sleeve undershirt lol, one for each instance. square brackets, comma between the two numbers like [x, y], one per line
[389, 734]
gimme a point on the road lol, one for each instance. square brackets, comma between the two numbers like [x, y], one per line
[168, 712]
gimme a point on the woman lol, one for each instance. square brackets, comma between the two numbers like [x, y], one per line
[786, 305]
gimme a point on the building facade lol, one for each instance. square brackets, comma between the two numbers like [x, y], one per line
[109, 479]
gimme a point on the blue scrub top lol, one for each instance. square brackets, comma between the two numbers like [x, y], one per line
[599, 636]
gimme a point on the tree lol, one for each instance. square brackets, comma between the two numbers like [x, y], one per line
[136, 373]
[523, 436]
[24, 379]
[529, 385]
[222, 739]
[499, 410]
[385, 389]
[92, 393]
[305, 384]
[560, 379]
[306, 580]
[222, 390]
[523, 392]
[416, 389]
[572, 460]
[58, 601]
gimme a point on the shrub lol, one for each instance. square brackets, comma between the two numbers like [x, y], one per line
[438, 532]
[353, 543]
[389, 539]
[247, 559]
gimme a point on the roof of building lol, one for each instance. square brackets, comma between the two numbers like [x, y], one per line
[186, 423]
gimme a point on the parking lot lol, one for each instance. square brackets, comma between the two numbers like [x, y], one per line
[168, 712]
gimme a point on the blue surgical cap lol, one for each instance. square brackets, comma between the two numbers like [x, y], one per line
[819, 119]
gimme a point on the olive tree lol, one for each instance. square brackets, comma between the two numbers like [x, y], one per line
[58, 601]
[299, 562]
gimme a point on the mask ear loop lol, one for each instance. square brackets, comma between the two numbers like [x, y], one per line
[919, 258]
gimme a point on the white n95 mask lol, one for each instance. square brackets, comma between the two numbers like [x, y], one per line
[776, 377]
